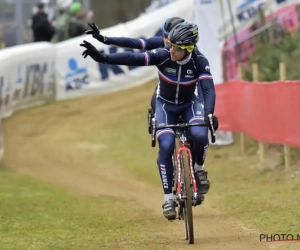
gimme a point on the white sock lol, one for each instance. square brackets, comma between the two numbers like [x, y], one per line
[198, 167]
[169, 197]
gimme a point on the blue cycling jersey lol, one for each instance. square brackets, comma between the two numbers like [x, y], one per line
[176, 80]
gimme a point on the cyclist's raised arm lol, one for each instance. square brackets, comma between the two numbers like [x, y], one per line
[147, 58]
[136, 43]
[127, 42]
[206, 85]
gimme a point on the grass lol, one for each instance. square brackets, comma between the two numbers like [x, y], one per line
[263, 197]
[36, 215]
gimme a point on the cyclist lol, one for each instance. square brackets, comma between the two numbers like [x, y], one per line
[180, 67]
[146, 44]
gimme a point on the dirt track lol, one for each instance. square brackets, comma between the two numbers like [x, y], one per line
[48, 143]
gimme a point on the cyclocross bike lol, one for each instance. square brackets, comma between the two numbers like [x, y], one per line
[184, 183]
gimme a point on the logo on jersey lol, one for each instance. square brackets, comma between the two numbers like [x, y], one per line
[189, 76]
[207, 68]
[170, 71]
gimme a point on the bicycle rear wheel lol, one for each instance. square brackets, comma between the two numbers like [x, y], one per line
[187, 209]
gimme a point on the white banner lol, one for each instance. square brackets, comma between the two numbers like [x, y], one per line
[27, 76]
[205, 13]
[244, 13]
[77, 76]
[208, 44]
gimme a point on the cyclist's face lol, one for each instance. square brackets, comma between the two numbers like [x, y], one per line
[177, 54]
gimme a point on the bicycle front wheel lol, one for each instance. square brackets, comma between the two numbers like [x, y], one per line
[188, 212]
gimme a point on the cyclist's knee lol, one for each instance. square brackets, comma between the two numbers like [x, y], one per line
[199, 133]
[166, 142]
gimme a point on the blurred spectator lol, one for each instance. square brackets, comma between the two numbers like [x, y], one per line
[9, 28]
[63, 20]
[79, 20]
[43, 31]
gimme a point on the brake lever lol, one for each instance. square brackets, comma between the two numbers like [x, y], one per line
[212, 131]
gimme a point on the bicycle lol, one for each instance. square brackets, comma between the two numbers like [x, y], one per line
[184, 183]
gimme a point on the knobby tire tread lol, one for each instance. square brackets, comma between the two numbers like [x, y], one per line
[189, 210]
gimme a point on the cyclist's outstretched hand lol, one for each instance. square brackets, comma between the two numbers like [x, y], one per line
[96, 33]
[93, 52]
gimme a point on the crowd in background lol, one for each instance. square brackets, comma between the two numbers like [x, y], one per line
[72, 21]
[58, 20]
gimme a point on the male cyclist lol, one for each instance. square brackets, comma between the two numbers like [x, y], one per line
[180, 67]
[146, 44]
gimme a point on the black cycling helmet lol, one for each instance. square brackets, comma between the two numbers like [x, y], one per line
[170, 23]
[184, 34]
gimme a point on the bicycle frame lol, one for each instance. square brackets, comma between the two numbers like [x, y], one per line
[183, 146]
[185, 193]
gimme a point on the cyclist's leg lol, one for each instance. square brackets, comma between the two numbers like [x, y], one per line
[195, 113]
[190, 140]
[166, 141]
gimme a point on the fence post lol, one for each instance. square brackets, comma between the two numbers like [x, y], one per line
[242, 135]
[261, 147]
[286, 148]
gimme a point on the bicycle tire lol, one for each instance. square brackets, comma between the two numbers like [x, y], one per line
[188, 211]
[175, 164]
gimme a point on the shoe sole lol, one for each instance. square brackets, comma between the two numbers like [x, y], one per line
[170, 216]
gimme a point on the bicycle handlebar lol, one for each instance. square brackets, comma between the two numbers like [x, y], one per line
[183, 126]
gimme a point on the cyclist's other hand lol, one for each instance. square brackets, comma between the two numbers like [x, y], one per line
[214, 120]
[93, 52]
[96, 33]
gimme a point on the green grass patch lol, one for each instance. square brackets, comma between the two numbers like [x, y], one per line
[263, 197]
[36, 215]
[129, 144]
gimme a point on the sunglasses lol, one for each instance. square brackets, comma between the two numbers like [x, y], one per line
[176, 47]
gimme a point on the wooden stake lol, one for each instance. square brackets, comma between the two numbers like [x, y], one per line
[286, 148]
[242, 135]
